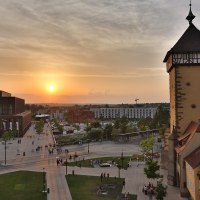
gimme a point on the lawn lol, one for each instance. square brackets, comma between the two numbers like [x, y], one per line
[22, 185]
[86, 187]
[87, 163]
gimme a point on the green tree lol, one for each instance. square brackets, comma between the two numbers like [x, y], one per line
[117, 123]
[39, 127]
[151, 169]
[95, 133]
[122, 124]
[146, 146]
[95, 124]
[115, 133]
[123, 127]
[7, 135]
[107, 131]
[161, 118]
[161, 191]
[60, 128]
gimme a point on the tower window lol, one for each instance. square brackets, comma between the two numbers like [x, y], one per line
[188, 84]
[193, 106]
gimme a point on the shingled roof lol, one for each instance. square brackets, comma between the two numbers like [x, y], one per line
[192, 128]
[189, 42]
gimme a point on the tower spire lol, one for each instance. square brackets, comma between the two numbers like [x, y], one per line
[190, 16]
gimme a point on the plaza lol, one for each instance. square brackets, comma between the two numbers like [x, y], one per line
[56, 182]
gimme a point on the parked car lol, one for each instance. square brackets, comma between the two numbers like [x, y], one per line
[105, 165]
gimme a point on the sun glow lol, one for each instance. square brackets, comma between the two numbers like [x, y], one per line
[51, 88]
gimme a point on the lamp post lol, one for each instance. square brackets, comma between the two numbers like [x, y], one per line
[17, 127]
[88, 146]
[66, 166]
[44, 181]
[122, 157]
[5, 150]
[5, 138]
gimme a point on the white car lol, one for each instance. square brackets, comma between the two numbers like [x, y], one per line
[105, 165]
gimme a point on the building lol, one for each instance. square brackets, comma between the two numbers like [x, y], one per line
[192, 164]
[13, 115]
[183, 66]
[133, 112]
[78, 115]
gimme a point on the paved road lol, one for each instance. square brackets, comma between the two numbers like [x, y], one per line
[36, 161]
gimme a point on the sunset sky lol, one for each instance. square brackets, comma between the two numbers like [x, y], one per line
[89, 51]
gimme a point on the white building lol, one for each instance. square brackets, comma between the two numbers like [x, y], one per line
[119, 112]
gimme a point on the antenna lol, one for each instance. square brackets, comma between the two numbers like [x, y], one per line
[136, 100]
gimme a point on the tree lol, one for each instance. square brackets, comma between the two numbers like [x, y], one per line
[7, 135]
[122, 124]
[161, 191]
[146, 146]
[108, 131]
[161, 118]
[95, 133]
[39, 127]
[151, 168]
[123, 127]
[96, 124]
[117, 123]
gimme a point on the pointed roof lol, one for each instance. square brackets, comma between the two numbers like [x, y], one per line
[189, 42]
[190, 16]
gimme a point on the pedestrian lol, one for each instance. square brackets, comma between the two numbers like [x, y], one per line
[108, 175]
[128, 195]
[123, 183]
[104, 175]
[125, 195]
[145, 189]
[101, 177]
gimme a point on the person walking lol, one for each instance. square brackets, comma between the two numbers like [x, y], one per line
[123, 183]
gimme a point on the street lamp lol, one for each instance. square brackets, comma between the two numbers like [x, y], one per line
[17, 127]
[5, 137]
[5, 150]
[122, 157]
[44, 181]
[66, 166]
[88, 145]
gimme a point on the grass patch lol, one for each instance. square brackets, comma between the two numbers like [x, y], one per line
[111, 160]
[19, 187]
[22, 185]
[86, 187]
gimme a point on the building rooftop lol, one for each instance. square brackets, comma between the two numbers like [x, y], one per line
[189, 42]
[183, 140]
[193, 159]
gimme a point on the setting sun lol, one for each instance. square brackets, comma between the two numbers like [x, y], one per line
[51, 88]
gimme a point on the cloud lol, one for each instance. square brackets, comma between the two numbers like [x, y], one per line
[90, 38]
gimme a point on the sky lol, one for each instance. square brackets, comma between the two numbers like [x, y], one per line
[89, 51]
